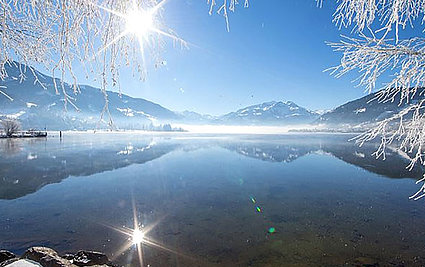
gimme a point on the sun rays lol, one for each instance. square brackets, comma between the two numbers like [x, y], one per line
[141, 21]
[139, 237]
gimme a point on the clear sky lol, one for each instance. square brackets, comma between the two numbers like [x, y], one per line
[275, 50]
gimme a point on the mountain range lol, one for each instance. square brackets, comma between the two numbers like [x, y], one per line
[271, 113]
[38, 105]
[35, 102]
[366, 110]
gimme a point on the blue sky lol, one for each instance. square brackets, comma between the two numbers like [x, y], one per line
[275, 50]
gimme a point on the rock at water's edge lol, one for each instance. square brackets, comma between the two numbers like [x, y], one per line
[47, 257]
[6, 255]
[23, 263]
[89, 258]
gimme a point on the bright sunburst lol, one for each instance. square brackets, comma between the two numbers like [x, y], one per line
[138, 236]
[140, 22]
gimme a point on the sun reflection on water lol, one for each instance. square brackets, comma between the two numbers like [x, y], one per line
[138, 236]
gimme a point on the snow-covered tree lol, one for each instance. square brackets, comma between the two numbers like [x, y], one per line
[9, 126]
[389, 64]
[100, 35]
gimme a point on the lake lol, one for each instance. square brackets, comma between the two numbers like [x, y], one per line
[212, 200]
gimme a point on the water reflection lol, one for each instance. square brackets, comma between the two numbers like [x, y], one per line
[36, 163]
[28, 165]
[273, 152]
[231, 201]
[287, 150]
[10, 147]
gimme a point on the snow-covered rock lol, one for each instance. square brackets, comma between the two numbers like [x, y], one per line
[24, 263]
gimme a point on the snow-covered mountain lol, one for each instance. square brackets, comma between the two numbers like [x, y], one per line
[197, 118]
[37, 105]
[364, 111]
[275, 113]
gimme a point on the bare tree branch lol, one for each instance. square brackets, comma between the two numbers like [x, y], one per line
[9, 126]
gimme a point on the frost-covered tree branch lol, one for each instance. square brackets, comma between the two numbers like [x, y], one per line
[225, 7]
[60, 34]
[388, 15]
[394, 66]
[405, 130]
[9, 126]
[372, 58]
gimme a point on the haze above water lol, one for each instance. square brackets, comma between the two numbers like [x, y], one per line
[214, 200]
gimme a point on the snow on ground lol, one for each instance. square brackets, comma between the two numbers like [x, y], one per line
[360, 110]
[30, 105]
[13, 116]
[359, 154]
[292, 115]
[131, 113]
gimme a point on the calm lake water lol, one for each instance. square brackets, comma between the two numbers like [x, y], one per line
[238, 200]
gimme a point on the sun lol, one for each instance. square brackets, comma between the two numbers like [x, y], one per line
[139, 22]
[138, 237]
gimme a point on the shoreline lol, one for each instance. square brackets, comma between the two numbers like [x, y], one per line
[44, 256]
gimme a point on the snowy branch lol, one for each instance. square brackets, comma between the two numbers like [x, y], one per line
[227, 5]
[371, 57]
[61, 33]
[392, 15]
[399, 64]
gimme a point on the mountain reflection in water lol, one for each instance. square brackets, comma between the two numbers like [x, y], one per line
[226, 200]
[26, 165]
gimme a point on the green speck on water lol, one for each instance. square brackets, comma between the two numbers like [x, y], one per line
[258, 209]
[253, 200]
[272, 230]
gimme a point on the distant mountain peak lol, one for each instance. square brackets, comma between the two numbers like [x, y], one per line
[272, 112]
[364, 111]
